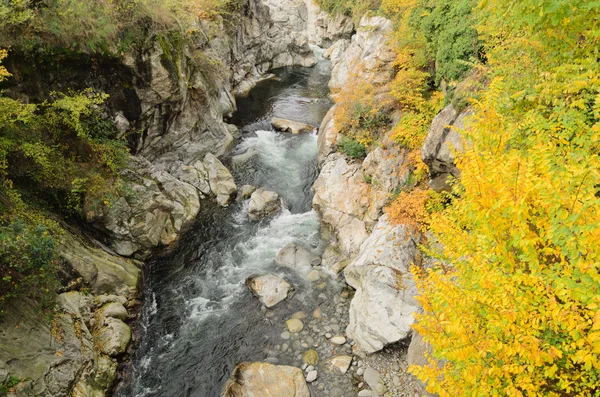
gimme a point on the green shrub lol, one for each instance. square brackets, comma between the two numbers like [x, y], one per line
[62, 151]
[448, 28]
[28, 263]
[351, 147]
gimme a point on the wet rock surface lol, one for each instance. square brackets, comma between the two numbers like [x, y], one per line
[269, 289]
[294, 127]
[263, 203]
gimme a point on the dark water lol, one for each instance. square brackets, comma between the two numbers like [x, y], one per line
[199, 319]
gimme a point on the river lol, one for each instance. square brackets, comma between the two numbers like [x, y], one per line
[199, 319]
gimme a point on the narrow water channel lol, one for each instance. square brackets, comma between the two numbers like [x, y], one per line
[199, 319]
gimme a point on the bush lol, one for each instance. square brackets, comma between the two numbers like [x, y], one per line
[351, 147]
[61, 151]
[27, 263]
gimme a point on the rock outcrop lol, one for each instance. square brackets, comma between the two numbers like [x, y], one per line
[263, 379]
[441, 144]
[101, 272]
[269, 289]
[382, 309]
[59, 358]
[330, 29]
[350, 195]
[368, 56]
[153, 212]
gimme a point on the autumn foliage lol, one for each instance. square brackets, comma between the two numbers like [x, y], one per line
[516, 309]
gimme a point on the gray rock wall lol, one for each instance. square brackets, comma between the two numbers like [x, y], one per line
[178, 132]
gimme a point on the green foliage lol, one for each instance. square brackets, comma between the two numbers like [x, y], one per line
[355, 9]
[101, 26]
[8, 385]
[351, 147]
[516, 310]
[27, 263]
[60, 150]
[449, 30]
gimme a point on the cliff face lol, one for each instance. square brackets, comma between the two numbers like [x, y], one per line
[169, 99]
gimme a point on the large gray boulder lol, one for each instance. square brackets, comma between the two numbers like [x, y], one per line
[381, 311]
[262, 203]
[153, 212]
[335, 53]
[442, 143]
[350, 196]
[269, 289]
[113, 336]
[220, 180]
[263, 379]
[295, 127]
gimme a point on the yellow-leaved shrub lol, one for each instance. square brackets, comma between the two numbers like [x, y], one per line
[516, 309]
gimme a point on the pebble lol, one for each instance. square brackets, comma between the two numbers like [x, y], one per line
[317, 313]
[285, 335]
[294, 325]
[311, 376]
[365, 393]
[328, 335]
[310, 368]
[299, 315]
[338, 340]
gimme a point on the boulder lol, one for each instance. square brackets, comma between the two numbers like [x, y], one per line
[153, 212]
[295, 256]
[103, 272]
[442, 142]
[264, 379]
[113, 337]
[295, 127]
[246, 191]
[327, 138]
[381, 311]
[262, 203]
[269, 289]
[341, 197]
[56, 358]
[115, 310]
[220, 180]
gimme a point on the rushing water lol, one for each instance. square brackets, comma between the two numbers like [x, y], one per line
[199, 320]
